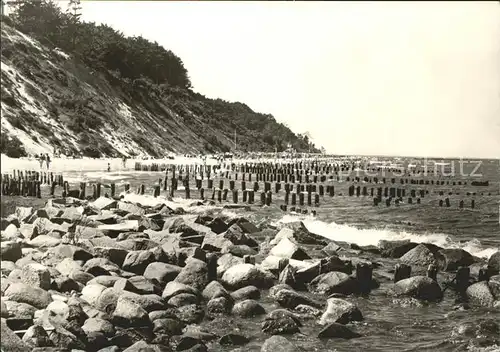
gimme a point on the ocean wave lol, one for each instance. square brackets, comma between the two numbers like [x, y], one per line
[365, 237]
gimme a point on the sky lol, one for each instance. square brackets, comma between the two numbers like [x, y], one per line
[376, 78]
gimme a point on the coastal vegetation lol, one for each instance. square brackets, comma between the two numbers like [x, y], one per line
[79, 73]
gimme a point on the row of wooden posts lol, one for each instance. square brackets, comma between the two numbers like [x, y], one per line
[45, 178]
[286, 175]
[303, 195]
[302, 167]
[28, 183]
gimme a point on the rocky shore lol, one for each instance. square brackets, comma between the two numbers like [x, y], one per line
[149, 275]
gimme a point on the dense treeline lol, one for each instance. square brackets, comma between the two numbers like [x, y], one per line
[99, 46]
[152, 77]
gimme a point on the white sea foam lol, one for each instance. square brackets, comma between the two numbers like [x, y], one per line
[364, 237]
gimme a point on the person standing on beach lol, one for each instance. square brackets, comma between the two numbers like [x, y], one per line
[47, 159]
[38, 158]
[41, 160]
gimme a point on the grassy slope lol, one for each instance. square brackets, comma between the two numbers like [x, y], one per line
[59, 102]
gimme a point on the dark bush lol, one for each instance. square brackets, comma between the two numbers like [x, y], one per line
[11, 146]
[91, 152]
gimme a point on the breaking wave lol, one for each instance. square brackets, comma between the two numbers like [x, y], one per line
[365, 237]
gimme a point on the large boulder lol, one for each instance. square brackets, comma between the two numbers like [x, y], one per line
[291, 299]
[44, 241]
[323, 266]
[43, 226]
[137, 261]
[83, 277]
[227, 261]
[169, 326]
[245, 225]
[127, 313]
[214, 289]
[99, 325]
[183, 299]
[277, 343]
[59, 309]
[280, 326]
[141, 285]
[161, 272]
[191, 314]
[11, 233]
[194, 274]
[494, 284]
[395, 249]
[10, 341]
[24, 293]
[131, 208]
[453, 258]
[105, 280]
[334, 282]
[247, 292]
[19, 311]
[124, 226]
[106, 300]
[217, 225]
[287, 276]
[65, 284]
[272, 263]
[248, 308]
[72, 252]
[10, 251]
[287, 249]
[421, 255]
[67, 266]
[219, 305]
[193, 232]
[24, 213]
[340, 311]
[174, 288]
[114, 255]
[236, 235]
[281, 322]
[36, 275]
[103, 203]
[6, 267]
[494, 263]
[36, 335]
[480, 294]
[175, 224]
[92, 292]
[299, 232]
[215, 243]
[148, 302]
[239, 250]
[99, 266]
[420, 287]
[242, 275]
